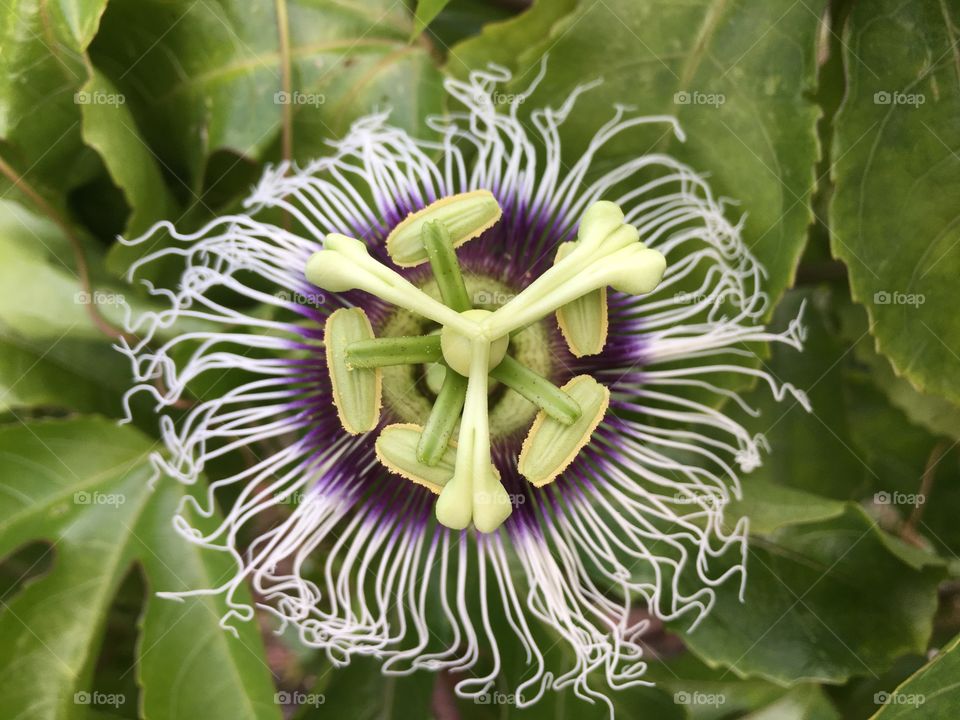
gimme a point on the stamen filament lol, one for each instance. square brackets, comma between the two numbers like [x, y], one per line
[584, 322]
[402, 293]
[465, 215]
[446, 268]
[538, 390]
[381, 352]
[443, 418]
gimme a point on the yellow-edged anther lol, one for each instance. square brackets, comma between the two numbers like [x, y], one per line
[583, 322]
[465, 216]
[356, 392]
[551, 446]
[396, 449]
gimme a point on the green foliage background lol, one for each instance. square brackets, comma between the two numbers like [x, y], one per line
[840, 136]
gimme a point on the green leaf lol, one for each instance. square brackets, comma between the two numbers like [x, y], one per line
[887, 441]
[189, 666]
[51, 352]
[895, 162]
[816, 594]
[855, 444]
[426, 11]
[83, 485]
[56, 106]
[810, 451]
[41, 68]
[937, 415]
[467, 18]
[634, 703]
[503, 42]
[41, 295]
[40, 291]
[83, 375]
[711, 693]
[802, 703]
[821, 575]
[202, 77]
[931, 692]
[773, 507]
[899, 452]
[109, 127]
[361, 692]
[736, 75]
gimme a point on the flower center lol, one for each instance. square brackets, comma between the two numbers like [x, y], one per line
[472, 345]
[410, 391]
[457, 347]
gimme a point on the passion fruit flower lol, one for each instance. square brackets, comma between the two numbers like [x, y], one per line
[501, 412]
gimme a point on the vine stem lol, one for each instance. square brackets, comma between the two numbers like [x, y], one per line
[909, 530]
[286, 80]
